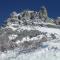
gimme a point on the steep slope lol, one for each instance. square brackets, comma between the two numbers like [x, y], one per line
[29, 35]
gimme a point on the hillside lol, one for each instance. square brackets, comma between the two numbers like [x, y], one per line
[29, 35]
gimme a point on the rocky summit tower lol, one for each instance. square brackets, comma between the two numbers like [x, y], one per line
[43, 13]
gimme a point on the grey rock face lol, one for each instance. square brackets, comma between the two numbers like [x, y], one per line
[15, 33]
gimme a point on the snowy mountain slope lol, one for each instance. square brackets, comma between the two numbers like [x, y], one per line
[30, 36]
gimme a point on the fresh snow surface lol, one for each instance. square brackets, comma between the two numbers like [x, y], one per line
[43, 54]
[13, 36]
[42, 29]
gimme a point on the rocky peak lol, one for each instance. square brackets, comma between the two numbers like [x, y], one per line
[43, 13]
[28, 17]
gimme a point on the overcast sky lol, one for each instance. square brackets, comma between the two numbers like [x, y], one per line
[7, 6]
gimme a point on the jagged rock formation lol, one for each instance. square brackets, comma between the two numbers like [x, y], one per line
[43, 13]
[30, 17]
[23, 30]
[57, 21]
[30, 34]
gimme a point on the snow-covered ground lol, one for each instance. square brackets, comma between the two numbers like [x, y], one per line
[50, 50]
[43, 54]
[42, 46]
[42, 29]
